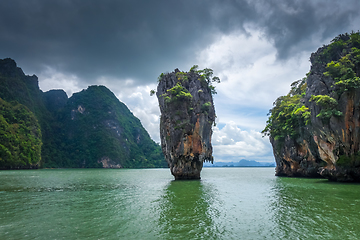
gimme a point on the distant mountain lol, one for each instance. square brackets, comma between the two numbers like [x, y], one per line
[241, 163]
[90, 129]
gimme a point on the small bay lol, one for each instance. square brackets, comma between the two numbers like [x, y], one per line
[227, 203]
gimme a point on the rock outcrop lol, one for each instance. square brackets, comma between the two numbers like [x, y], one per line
[187, 116]
[315, 130]
[92, 128]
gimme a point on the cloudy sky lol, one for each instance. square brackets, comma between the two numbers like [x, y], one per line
[257, 48]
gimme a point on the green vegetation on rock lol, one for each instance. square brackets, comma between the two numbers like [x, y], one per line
[328, 106]
[205, 107]
[317, 123]
[20, 137]
[96, 125]
[289, 114]
[342, 63]
[349, 161]
[206, 77]
[89, 128]
[177, 94]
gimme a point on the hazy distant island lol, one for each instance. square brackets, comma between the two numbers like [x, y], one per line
[315, 129]
[241, 163]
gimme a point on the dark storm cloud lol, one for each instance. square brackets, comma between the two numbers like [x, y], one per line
[140, 39]
[115, 38]
[293, 24]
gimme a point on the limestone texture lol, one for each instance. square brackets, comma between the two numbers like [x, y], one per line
[187, 116]
[328, 145]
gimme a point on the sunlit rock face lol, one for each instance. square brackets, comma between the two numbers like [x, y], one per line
[187, 116]
[329, 145]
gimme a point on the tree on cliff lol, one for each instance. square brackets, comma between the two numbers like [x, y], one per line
[187, 115]
[90, 129]
[20, 137]
[316, 124]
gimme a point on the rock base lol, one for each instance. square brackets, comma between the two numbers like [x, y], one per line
[341, 174]
[186, 170]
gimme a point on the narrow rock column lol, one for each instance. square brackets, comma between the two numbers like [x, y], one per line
[187, 116]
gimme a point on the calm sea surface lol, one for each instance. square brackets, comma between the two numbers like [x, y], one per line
[228, 203]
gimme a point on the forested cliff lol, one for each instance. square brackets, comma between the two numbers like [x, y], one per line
[92, 128]
[315, 129]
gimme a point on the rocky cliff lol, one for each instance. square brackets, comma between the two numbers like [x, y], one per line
[100, 131]
[20, 137]
[187, 116]
[90, 129]
[315, 129]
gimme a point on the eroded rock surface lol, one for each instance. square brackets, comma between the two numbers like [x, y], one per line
[322, 134]
[187, 116]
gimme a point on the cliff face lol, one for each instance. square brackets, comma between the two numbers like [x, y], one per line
[90, 129]
[187, 116]
[322, 128]
[100, 131]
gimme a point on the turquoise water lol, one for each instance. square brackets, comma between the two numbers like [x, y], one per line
[228, 203]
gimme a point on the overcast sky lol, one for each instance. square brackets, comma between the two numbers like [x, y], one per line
[257, 48]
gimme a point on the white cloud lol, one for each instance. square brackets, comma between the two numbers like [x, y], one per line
[231, 143]
[50, 78]
[252, 78]
[137, 98]
[250, 71]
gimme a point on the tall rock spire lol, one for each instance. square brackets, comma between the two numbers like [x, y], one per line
[187, 116]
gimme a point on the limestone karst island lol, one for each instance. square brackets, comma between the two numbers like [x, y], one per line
[91, 129]
[315, 129]
[187, 116]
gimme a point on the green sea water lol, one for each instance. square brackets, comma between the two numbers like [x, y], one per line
[228, 203]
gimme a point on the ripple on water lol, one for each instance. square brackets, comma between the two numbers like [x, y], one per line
[228, 203]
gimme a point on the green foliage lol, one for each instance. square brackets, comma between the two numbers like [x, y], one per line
[349, 161]
[344, 70]
[328, 105]
[16, 86]
[206, 107]
[339, 47]
[20, 137]
[177, 94]
[182, 76]
[71, 138]
[206, 77]
[194, 68]
[105, 128]
[344, 62]
[324, 101]
[152, 92]
[161, 76]
[298, 87]
[288, 115]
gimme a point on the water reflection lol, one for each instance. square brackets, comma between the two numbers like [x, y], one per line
[315, 209]
[187, 211]
[145, 204]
